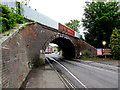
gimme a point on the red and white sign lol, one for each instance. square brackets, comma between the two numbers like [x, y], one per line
[99, 51]
[66, 30]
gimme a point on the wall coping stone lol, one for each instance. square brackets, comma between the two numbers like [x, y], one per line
[13, 32]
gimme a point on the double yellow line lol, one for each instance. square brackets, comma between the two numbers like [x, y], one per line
[71, 85]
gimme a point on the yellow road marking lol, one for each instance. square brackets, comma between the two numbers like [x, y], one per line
[69, 83]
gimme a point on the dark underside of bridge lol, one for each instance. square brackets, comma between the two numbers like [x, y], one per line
[67, 47]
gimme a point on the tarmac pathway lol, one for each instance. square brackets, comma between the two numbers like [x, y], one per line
[44, 77]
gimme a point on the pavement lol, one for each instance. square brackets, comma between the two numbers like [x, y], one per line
[44, 77]
[107, 62]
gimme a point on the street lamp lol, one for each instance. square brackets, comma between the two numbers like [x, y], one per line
[104, 43]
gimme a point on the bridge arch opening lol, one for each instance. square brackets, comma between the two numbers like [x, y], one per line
[67, 47]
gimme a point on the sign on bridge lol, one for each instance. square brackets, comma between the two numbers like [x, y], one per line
[66, 30]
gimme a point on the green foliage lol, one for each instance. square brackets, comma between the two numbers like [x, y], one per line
[73, 24]
[19, 19]
[9, 18]
[100, 20]
[58, 48]
[18, 10]
[115, 44]
[36, 62]
[81, 37]
[86, 54]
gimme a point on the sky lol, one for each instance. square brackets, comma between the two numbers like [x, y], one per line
[60, 10]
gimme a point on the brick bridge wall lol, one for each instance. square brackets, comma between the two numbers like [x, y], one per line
[24, 45]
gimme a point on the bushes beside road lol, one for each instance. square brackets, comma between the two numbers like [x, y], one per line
[8, 18]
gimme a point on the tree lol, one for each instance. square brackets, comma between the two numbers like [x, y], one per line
[99, 21]
[8, 18]
[115, 44]
[58, 48]
[73, 24]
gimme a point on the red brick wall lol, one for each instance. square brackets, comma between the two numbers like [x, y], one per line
[25, 45]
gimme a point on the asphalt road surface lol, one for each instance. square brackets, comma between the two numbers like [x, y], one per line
[81, 75]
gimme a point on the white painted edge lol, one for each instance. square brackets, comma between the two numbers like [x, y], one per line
[70, 73]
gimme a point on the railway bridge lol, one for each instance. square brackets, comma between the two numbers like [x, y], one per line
[27, 42]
